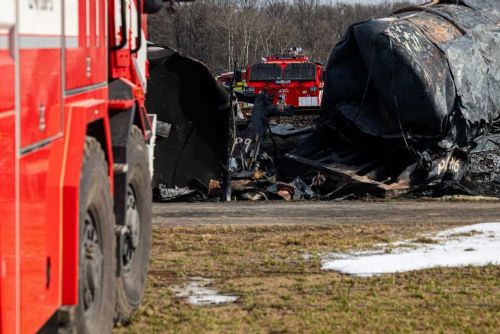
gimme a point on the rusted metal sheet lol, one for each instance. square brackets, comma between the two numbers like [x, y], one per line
[436, 28]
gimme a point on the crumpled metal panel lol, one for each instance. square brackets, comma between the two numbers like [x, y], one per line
[484, 5]
[185, 95]
[475, 58]
[471, 81]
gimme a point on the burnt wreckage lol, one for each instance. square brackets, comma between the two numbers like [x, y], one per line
[410, 101]
[411, 105]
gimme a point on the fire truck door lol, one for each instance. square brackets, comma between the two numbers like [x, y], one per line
[9, 224]
[40, 96]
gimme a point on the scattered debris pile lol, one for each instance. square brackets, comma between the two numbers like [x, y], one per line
[256, 148]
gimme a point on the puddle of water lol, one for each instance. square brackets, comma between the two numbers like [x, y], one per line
[476, 245]
[197, 293]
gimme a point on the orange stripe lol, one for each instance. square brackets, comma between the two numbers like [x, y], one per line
[61, 197]
[5, 114]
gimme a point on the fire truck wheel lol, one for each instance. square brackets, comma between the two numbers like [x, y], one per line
[136, 245]
[97, 260]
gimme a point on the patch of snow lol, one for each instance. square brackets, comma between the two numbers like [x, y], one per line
[197, 293]
[472, 245]
[311, 256]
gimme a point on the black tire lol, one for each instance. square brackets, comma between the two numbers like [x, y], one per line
[97, 243]
[153, 6]
[130, 285]
[66, 320]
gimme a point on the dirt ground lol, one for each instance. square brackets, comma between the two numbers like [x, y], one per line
[325, 213]
[269, 255]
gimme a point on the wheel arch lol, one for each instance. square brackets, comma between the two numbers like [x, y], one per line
[88, 117]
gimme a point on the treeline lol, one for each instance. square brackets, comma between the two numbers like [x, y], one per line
[222, 32]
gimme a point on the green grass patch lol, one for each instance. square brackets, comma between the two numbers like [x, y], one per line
[283, 291]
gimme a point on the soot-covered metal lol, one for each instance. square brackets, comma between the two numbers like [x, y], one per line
[193, 109]
[408, 101]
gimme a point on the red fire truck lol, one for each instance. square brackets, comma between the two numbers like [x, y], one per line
[75, 193]
[292, 81]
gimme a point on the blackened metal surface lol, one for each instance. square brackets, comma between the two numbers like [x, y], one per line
[415, 93]
[286, 130]
[184, 94]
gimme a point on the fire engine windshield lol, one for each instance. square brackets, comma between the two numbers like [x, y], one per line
[302, 72]
[265, 72]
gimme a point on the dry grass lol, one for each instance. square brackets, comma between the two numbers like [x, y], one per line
[283, 291]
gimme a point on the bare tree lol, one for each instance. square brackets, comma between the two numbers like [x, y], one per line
[220, 32]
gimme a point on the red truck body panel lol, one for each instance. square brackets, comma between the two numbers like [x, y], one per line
[55, 65]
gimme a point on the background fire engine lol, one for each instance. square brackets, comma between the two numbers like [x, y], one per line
[291, 81]
[75, 198]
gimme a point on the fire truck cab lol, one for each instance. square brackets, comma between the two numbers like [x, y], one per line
[75, 192]
[291, 81]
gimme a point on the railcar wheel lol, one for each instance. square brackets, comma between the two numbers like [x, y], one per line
[136, 244]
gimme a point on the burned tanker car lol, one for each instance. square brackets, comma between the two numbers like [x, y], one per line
[411, 105]
[411, 101]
